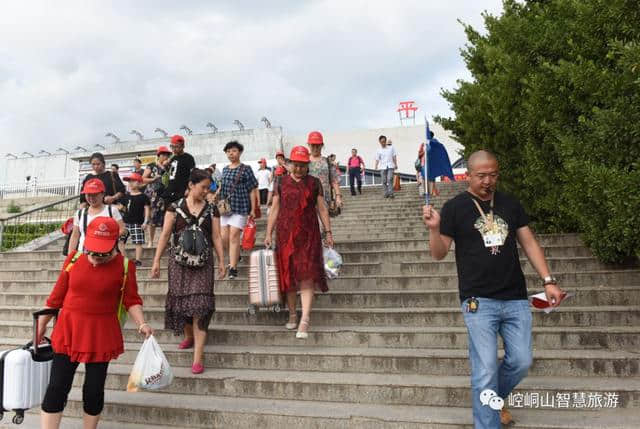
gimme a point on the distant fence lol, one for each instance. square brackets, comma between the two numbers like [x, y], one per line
[39, 189]
[21, 228]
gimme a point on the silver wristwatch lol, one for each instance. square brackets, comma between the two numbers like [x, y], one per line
[549, 280]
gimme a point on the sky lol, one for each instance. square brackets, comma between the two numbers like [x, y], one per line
[72, 71]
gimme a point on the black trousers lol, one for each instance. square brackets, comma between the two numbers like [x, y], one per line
[355, 174]
[264, 194]
[62, 372]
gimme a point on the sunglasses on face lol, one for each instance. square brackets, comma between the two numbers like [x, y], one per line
[98, 255]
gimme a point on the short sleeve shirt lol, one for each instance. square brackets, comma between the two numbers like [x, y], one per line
[487, 272]
[78, 220]
[320, 170]
[239, 197]
[384, 156]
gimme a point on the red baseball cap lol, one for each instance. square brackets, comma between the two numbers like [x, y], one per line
[93, 186]
[263, 161]
[280, 171]
[279, 153]
[177, 139]
[133, 177]
[162, 149]
[315, 137]
[299, 154]
[102, 235]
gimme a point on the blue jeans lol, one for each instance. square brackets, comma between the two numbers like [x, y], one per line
[512, 320]
[387, 181]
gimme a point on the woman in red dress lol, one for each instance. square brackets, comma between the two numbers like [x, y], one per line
[87, 294]
[298, 200]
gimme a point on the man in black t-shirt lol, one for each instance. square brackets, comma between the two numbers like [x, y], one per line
[485, 225]
[180, 166]
[114, 188]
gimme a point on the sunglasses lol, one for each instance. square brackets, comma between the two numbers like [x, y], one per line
[98, 255]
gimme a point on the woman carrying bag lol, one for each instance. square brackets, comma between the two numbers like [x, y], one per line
[89, 293]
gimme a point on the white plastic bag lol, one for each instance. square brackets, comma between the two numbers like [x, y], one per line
[151, 369]
[332, 263]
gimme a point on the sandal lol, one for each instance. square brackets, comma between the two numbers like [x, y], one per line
[292, 323]
[303, 335]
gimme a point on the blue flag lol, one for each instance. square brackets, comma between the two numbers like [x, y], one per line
[437, 158]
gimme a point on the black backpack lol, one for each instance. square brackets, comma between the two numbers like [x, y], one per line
[190, 245]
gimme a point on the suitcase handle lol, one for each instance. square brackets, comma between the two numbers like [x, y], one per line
[36, 316]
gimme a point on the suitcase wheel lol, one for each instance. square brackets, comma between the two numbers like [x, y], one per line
[18, 419]
[277, 308]
[251, 310]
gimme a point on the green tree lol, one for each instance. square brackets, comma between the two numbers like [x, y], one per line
[556, 95]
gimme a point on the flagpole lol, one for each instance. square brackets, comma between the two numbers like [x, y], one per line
[426, 163]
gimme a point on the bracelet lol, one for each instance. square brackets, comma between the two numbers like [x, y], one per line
[140, 327]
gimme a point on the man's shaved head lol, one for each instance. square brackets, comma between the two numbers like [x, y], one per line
[479, 157]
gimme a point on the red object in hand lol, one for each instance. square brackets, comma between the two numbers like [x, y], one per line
[249, 235]
[67, 227]
[543, 303]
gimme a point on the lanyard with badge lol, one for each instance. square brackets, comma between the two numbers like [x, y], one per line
[490, 231]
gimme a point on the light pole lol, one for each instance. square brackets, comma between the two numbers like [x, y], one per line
[214, 129]
[137, 133]
[116, 139]
[267, 123]
[238, 124]
[161, 131]
[186, 130]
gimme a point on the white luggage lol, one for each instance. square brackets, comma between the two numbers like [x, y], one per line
[264, 282]
[24, 374]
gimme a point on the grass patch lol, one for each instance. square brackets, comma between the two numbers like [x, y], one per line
[17, 235]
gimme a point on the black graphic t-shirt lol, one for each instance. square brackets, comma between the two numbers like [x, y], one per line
[486, 272]
[134, 208]
[179, 167]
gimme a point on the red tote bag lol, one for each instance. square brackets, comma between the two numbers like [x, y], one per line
[249, 235]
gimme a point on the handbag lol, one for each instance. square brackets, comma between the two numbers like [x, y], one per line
[224, 205]
[334, 209]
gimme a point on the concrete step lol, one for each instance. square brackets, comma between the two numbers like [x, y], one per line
[611, 337]
[347, 255]
[587, 296]
[417, 316]
[442, 362]
[569, 281]
[196, 411]
[368, 244]
[366, 388]
[348, 268]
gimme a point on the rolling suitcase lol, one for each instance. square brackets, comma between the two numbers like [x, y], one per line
[264, 283]
[24, 374]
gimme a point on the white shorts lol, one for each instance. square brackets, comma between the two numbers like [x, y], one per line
[236, 220]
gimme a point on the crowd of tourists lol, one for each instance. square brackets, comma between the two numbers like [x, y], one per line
[300, 194]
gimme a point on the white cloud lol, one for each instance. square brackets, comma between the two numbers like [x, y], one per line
[73, 70]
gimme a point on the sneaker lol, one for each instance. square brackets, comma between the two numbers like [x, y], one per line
[303, 335]
[233, 273]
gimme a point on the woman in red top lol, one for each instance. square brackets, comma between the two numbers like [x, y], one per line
[298, 200]
[87, 330]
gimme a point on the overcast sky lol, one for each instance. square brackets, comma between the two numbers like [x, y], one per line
[72, 71]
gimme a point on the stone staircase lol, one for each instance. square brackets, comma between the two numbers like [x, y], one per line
[387, 346]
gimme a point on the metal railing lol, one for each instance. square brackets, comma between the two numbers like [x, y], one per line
[35, 189]
[24, 227]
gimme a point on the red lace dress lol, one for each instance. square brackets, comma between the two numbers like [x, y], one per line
[298, 241]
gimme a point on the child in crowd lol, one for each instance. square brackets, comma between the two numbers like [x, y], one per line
[136, 207]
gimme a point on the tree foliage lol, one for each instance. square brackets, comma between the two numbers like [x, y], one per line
[556, 95]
